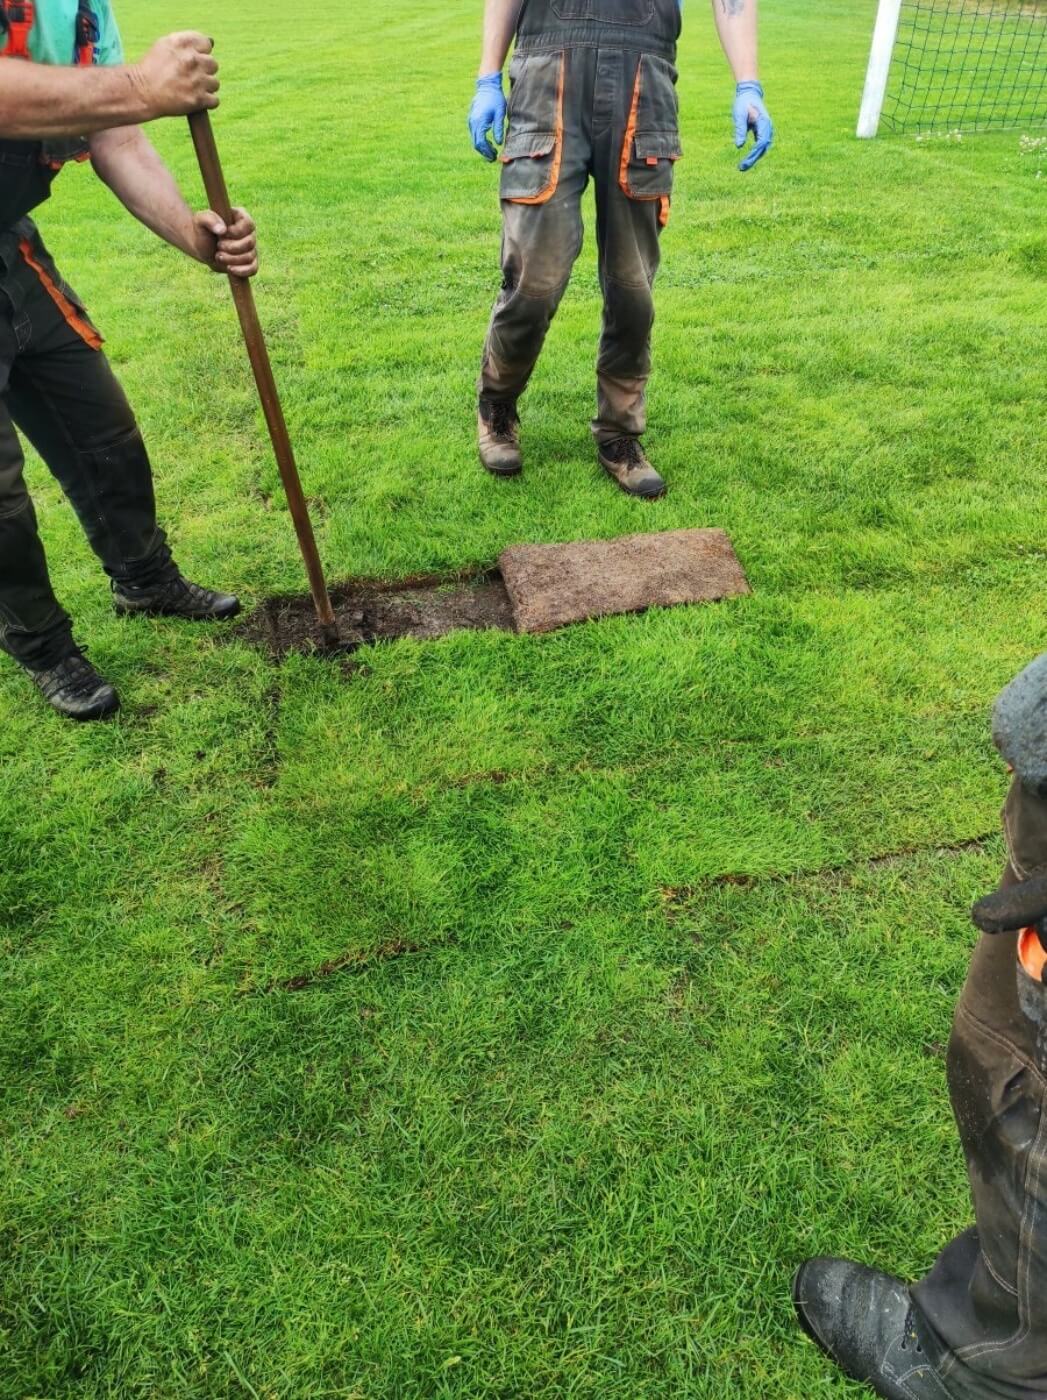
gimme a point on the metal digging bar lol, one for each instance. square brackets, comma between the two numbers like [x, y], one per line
[243, 296]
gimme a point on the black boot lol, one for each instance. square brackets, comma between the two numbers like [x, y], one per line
[174, 596]
[75, 689]
[869, 1325]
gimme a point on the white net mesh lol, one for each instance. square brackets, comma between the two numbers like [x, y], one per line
[969, 65]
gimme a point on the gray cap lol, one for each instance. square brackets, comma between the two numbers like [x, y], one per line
[1019, 725]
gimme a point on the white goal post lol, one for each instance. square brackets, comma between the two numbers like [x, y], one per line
[956, 67]
[885, 37]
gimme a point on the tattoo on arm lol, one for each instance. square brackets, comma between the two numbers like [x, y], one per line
[732, 7]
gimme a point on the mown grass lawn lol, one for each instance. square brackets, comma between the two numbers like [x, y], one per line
[575, 1142]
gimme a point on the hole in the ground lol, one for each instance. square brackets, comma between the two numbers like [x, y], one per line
[369, 611]
[536, 588]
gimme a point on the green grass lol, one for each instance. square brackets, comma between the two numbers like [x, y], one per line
[575, 1143]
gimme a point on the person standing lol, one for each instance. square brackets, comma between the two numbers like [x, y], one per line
[593, 97]
[66, 94]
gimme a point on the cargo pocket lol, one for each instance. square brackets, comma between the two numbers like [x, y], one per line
[533, 151]
[651, 146]
[998, 1102]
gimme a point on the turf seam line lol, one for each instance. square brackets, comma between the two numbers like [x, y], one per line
[677, 896]
[270, 763]
[357, 960]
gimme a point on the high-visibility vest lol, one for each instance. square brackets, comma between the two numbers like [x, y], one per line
[17, 18]
[28, 168]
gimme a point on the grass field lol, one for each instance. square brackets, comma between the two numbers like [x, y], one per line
[576, 1105]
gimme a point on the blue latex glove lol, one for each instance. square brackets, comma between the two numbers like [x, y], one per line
[749, 99]
[487, 112]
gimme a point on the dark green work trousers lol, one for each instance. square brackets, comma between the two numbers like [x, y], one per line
[57, 388]
[588, 102]
[986, 1297]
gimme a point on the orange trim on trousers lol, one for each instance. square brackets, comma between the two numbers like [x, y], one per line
[83, 328]
[664, 202]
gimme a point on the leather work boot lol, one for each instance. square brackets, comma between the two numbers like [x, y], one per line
[625, 460]
[869, 1325]
[75, 689]
[499, 430]
[174, 597]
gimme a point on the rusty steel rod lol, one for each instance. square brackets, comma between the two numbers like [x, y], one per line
[243, 296]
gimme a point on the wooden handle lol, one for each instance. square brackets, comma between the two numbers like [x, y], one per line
[258, 353]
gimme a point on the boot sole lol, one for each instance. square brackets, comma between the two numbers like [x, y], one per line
[95, 716]
[123, 611]
[102, 712]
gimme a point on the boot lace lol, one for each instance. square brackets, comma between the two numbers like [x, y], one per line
[910, 1336]
[628, 452]
[175, 591]
[75, 676]
[502, 420]
[180, 590]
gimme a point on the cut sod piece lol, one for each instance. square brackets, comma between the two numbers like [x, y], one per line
[551, 585]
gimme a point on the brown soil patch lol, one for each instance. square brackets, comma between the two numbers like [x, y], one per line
[368, 612]
[536, 588]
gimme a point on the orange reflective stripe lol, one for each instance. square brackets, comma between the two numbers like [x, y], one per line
[21, 16]
[664, 202]
[630, 136]
[1031, 954]
[544, 196]
[84, 330]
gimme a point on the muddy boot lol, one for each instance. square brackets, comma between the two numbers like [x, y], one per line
[499, 430]
[869, 1325]
[75, 689]
[174, 596]
[624, 460]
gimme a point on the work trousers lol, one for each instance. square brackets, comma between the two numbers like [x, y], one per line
[986, 1297]
[57, 388]
[579, 113]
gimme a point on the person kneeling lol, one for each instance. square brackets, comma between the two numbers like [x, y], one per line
[976, 1327]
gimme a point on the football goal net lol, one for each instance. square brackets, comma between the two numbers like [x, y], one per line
[956, 66]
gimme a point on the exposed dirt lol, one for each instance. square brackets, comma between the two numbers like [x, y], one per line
[369, 612]
[536, 588]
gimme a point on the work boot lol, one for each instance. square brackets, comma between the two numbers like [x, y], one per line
[174, 596]
[499, 429]
[75, 689]
[869, 1325]
[625, 460]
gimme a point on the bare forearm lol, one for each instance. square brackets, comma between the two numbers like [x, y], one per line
[737, 23]
[127, 161]
[37, 102]
[500, 20]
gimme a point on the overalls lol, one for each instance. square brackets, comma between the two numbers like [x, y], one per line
[986, 1297]
[593, 95]
[58, 388]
